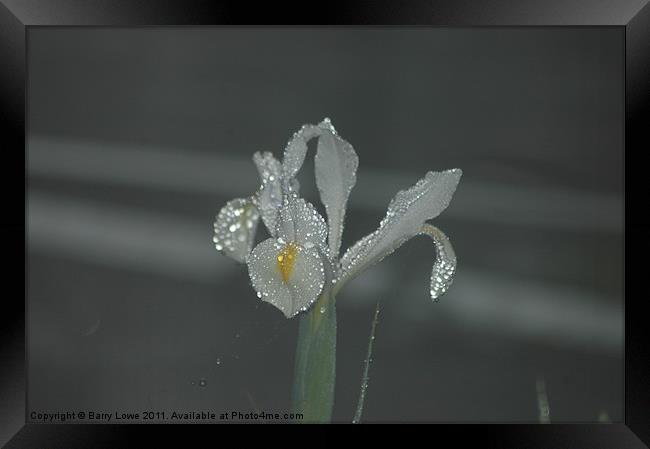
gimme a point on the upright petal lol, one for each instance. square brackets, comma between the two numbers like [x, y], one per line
[234, 228]
[289, 276]
[335, 165]
[406, 214]
[444, 266]
[296, 149]
[300, 222]
[269, 197]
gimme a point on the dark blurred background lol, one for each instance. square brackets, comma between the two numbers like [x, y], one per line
[138, 137]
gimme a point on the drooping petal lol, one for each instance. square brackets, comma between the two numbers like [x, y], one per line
[269, 197]
[406, 214]
[444, 266]
[300, 222]
[335, 166]
[234, 228]
[287, 275]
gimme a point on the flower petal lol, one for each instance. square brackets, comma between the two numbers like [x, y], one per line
[335, 165]
[296, 149]
[444, 267]
[300, 222]
[234, 228]
[269, 197]
[406, 214]
[292, 288]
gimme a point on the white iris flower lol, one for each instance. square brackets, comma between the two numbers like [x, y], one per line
[300, 260]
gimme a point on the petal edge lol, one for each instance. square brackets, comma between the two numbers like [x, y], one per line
[235, 227]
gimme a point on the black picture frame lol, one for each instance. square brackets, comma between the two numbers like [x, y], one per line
[17, 17]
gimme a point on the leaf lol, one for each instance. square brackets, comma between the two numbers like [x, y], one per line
[366, 367]
[542, 401]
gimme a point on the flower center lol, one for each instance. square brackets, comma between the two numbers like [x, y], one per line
[286, 260]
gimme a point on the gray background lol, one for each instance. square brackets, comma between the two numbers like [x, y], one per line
[138, 137]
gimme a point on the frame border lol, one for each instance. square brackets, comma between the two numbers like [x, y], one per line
[18, 16]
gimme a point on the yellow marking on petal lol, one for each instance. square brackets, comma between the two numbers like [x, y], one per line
[286, 260]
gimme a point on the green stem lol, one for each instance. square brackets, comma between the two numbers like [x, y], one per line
[315, 366]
